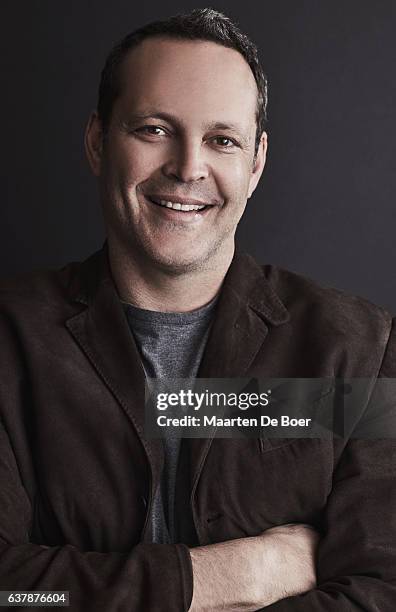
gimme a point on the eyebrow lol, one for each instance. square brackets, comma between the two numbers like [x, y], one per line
[169, 118]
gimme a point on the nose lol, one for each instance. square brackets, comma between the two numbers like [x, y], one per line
[186, 162]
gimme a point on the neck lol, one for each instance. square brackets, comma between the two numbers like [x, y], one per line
[142, 283]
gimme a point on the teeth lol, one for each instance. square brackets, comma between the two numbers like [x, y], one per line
[179, 206]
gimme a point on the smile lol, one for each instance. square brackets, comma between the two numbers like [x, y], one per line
[179, 206]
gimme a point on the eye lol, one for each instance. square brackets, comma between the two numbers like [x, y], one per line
[151, 130]
[224, 142]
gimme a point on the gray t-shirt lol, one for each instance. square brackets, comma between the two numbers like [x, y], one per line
[171, 346]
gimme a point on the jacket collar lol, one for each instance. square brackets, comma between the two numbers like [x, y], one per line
[245, 281]
[246, 305]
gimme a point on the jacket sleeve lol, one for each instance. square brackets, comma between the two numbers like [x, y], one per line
[356, 563]
[150, 577]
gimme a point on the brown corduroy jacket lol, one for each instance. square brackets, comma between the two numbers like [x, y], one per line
[77, 474]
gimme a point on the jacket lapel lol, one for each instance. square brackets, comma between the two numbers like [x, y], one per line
[102, 332]
[246, 305]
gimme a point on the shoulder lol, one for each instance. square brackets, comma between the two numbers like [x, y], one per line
[38, 297]
[304, 297]
[74, 282]
[347, 331]
[33, 307]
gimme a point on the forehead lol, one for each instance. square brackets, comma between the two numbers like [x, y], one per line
[193, 79]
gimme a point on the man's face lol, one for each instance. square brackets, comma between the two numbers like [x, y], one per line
[181, 137]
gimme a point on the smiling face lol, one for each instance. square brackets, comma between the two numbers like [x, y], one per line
[177, 163]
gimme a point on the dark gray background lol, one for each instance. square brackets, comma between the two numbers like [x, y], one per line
[325, 206]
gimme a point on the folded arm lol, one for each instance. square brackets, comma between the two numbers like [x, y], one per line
[149, 577]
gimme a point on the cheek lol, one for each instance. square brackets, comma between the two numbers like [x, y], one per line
[233, 179]
[134, 163]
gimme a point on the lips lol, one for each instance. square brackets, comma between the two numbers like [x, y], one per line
[180, 204]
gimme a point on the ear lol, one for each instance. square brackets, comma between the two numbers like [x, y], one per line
[259, 163]
[94, 143]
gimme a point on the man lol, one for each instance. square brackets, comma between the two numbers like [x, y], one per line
[88, 503]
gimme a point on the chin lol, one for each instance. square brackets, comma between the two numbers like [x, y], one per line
[177, 264]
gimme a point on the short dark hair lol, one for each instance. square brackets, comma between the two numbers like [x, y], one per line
[200, 24]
